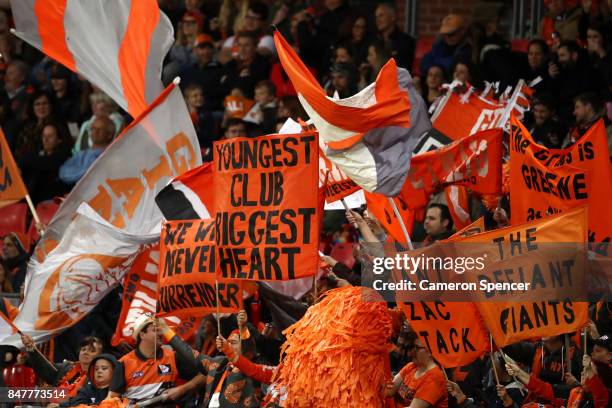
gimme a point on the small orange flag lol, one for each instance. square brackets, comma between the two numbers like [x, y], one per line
[12, 188]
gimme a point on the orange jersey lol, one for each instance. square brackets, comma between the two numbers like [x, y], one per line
[145, 377]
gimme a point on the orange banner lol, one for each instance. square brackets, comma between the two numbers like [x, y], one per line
[458, 118]
[12, 188]
[337, 184]
[548, 181]
[452, 331]
[140, 296]
[477, 227]
[379, 206]
[186, 278]
[266, 206]
[473, 162]
[533, 253]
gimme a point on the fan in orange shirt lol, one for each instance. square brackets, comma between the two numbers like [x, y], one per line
[420, 384]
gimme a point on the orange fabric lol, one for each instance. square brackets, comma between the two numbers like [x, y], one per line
[186, 282]
[458, 206]
[547, 181]
[12, 188]
[515, 316]
[457, 120]
[148, 370]
[258, 372]
[134, 52]
[453, 331]
[12, 310]
[391, 109]
[477, 227]
[73, 380]
[473, 162]
[139, 286]
[51, 31]
[381, 209]
[429, 387]
[337, 185]
[237, 107]
[266, 206]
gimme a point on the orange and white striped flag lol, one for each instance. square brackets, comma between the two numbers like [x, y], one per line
[7, 328]
[117, 45]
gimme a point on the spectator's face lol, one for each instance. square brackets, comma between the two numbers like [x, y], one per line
[100, 132]
[372, 56]
[262, 96]
[195, 98]
[234, 341]
[9, 250]
[594, 40]
[541, 114]
[435, 78]
[359, 29]
[13, 78]
[87, 353]
[246, 48]
[384, 19]
[556, 6]
[204, 53]
[190, 26]
[103, 373]
[253, 21]
[339, 81]
[42, 107]
[100, 108]
[566, 58]
[237, 130]
[433, 223]
[535, 56]
[601, 355]
[342, 55]
[462, 73]
[420, 354]
[59, 84]
[50, 139]
[149, 336]
[582, 112]
[453, 38]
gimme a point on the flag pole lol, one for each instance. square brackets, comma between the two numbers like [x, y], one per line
[567, 349]
[36, 349]
[493, 360]
[346, 207]
[218, 308]
[401, 221]
[34, 214]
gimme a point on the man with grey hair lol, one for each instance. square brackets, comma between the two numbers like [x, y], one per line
[398, 43]
[14, 98]
[102, 133]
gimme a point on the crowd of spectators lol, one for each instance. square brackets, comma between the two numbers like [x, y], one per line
[57, 124]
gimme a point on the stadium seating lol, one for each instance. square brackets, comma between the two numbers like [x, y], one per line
[13, 218]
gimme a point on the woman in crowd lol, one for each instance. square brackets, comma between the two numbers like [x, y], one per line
[39, 111]
[181, 56]
[420, 384]
[434, 79]
[40, 170]
[377, 57]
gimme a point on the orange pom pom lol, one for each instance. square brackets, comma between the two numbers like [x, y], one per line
[337, 354]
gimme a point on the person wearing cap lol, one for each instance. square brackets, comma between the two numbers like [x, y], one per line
[451, 47]
[67, 375]
[99, 377]
[149, 370]
[545, 126]
[206, 72]
[67, 104]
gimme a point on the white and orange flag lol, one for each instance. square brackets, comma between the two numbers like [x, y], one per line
[122, 184]
[117, 45]
[7, 328]
[90, 261]
[12, 188]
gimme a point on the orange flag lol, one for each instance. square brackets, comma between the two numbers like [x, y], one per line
[12, 188]
[453, 331]
[537, 253]
[379, 207]
[548, 181]
[477, 227]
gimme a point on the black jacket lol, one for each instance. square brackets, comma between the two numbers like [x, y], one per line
[90, 394]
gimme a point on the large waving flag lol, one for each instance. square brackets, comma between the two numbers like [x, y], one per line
[89, 262]
[189, 196]
[118, 45]
[370, 135]
[122, 184]
[12, 188]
